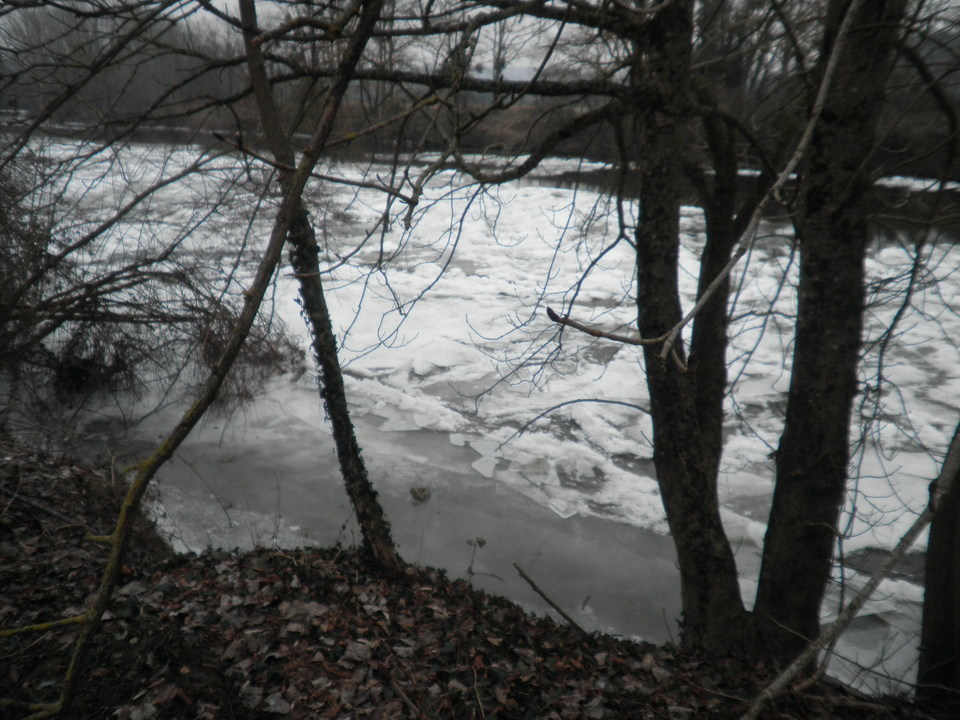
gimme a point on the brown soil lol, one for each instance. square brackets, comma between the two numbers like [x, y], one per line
[317, 633]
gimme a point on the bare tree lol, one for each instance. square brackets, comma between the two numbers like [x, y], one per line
[938, 680]
[47, 289]
[649, 95]
[939, 490]
[813, 457]
[687, 387]
[103, 290]
[304, 260]
[676, 99]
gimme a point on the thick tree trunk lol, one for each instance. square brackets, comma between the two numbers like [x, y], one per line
[813, 457]
[708, 344]
[686, 436]
[938, 680]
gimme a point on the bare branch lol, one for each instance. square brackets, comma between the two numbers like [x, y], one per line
[575, 126]
[626, 340]
[746, 239]
[549, 602]
[366, 185]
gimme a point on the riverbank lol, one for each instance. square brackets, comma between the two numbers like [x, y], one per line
[316, 633]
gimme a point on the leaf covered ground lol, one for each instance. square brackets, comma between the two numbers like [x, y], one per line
[317, 634]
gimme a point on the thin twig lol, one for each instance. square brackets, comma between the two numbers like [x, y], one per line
[406, 700]
[22, 499]
[46, 626]
[601, 401]
[594, 332]
[287, 168]
[476, 691]
[550, 602]
[16, 493]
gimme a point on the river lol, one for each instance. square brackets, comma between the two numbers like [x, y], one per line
[442, 394]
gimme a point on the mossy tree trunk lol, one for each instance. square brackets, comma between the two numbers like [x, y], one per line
[304, 259]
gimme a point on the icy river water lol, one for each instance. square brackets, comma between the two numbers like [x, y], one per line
[441, 391]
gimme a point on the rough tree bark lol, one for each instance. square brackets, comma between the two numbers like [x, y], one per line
[686, 403]
[686, 433]
[813, 456]
[304, 259]
[940, 490]
[938, 680]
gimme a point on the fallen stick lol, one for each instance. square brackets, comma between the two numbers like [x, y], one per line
[550, 602]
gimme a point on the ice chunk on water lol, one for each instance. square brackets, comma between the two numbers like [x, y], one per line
[485, 466]
[422, 367]
[422, 420]
[562, 508]
[398, 424]
[484, 447]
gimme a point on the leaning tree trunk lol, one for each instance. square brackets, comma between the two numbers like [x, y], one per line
[685, 438]
[304, 259]
[938, 681]
[813, 456]
[377, 538]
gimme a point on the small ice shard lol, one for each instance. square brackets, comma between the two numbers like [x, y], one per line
[422, 367]
[422, 420]
[485, 466]
[561, 508]
[457, 439]
[484, 447]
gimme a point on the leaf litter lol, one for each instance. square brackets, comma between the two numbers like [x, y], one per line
[318, 633]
